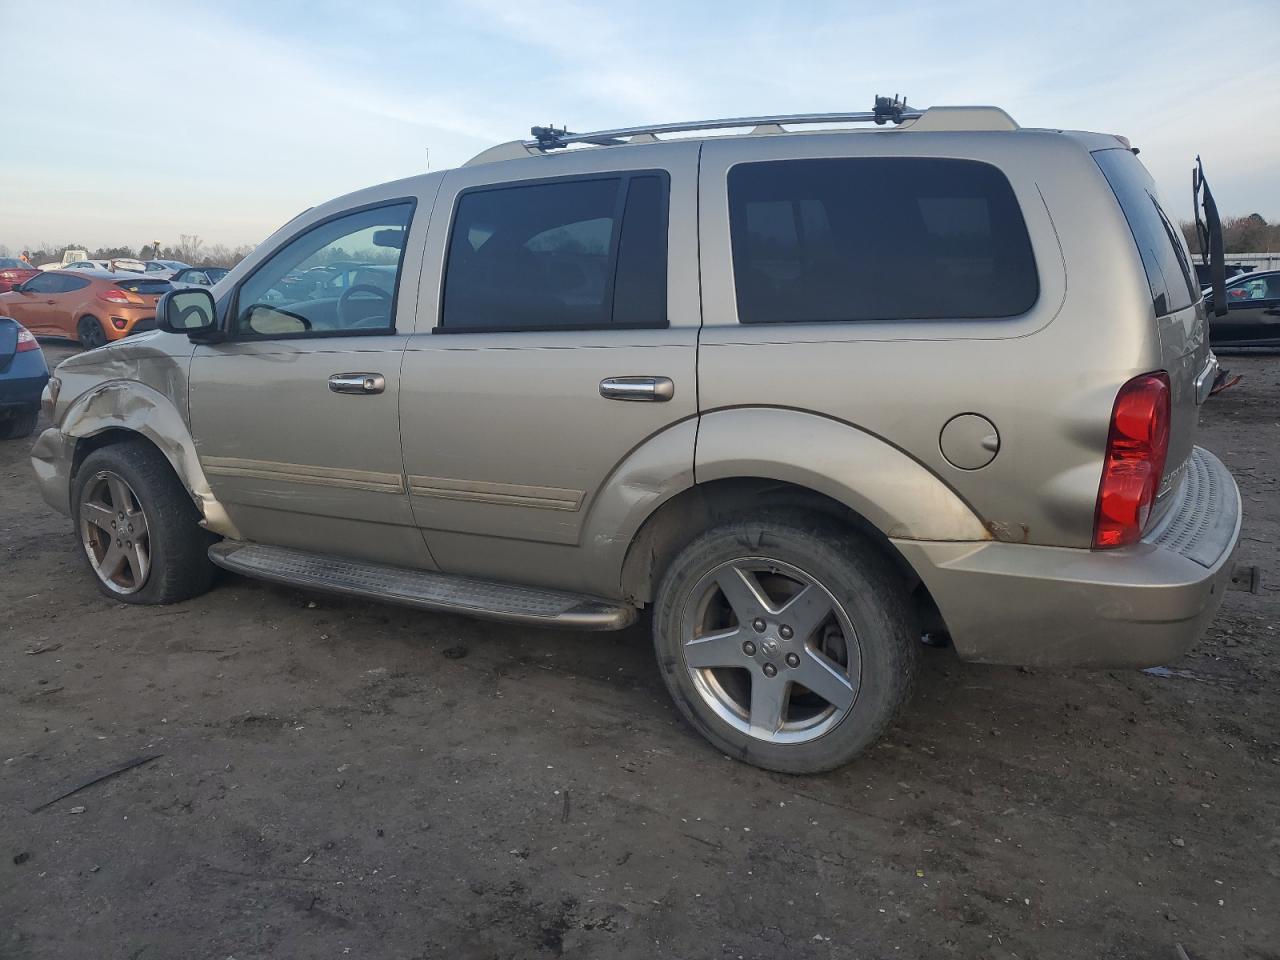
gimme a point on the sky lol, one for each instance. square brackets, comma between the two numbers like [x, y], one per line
[139, 121]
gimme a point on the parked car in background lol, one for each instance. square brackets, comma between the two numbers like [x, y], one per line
[1204, 280]
[23, 374]
[13, 271]
[704, 376]
[91, 306]
[198, 276]
[117, 265]
[164, 269]
[68, 257]
[1253, 313]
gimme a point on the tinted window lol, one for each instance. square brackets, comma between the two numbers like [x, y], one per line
[68, 284]
[877, 238]
[11, 263]
[290, 294]
[1266, 287]
[43, 283]
[565, 254]
[1164, 252]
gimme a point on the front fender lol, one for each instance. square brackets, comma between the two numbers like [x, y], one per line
[895, 493]
[134, 406]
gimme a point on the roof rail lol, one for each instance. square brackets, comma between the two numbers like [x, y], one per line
[551, 138]
[886, 110]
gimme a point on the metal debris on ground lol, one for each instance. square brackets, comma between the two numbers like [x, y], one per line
[98, 778]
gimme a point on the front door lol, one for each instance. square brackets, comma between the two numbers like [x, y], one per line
[33, 305]
[295, 415]
[557, 337]
[1253, 312]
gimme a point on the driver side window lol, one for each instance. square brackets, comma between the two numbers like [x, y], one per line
[306, 288]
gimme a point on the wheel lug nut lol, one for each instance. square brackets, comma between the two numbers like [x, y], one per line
[757, 625]
[770, 670]
[749, 649]
[785, 632]
[793, 660]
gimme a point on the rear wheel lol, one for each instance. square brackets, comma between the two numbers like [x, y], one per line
[21, 424]
[90, 333]
[785, 643]
[138, 527]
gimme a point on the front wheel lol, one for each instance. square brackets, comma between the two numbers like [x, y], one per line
[786, 642]
[138, 528]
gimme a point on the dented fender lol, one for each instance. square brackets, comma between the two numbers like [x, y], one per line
[134, 406]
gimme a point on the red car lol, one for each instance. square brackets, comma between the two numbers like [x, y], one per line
[13, 271]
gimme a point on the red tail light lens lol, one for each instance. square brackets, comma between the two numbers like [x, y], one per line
[26, 341]
[1136, 449]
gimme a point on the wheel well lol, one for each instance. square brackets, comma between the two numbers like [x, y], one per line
[696, 510]
[113, 435]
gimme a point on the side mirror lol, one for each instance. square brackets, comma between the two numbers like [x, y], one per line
[187, 311]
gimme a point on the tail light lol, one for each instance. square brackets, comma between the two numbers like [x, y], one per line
[116, 295]
[1137, 445]
[26, 341]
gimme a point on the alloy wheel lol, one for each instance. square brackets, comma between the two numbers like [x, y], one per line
[771, 650]
[113, 529]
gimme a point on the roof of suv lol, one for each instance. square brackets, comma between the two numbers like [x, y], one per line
[957, 119]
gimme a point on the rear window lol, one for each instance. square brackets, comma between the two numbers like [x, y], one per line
[586, 253]
[152, 288]
[878, 238]
[1164, 253]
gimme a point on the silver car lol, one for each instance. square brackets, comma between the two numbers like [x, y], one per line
[803, 395]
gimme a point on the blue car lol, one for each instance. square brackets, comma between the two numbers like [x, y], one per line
[23, 374]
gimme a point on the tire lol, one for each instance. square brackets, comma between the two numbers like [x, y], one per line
[90, 333]
[128, 490]
[712, 661]
[20, 425]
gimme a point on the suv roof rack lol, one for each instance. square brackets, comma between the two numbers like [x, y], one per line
[886, 110]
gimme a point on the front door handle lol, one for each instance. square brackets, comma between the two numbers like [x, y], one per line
[656, 389]
[365, 383]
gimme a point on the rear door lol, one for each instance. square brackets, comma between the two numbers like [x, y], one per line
[557, 334]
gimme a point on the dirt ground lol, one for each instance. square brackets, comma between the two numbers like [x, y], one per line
[347, 779]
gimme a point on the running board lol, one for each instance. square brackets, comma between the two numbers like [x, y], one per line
[421, 588]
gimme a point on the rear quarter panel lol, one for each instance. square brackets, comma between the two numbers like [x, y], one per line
[1046, 379]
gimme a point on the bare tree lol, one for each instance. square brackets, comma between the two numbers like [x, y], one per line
[189, 245]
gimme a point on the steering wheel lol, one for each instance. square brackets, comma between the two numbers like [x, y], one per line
[347, 294]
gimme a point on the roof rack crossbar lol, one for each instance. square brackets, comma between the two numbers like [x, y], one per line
[550, 138]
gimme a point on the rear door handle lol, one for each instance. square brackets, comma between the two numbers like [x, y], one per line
[655, 389]
[365, 383]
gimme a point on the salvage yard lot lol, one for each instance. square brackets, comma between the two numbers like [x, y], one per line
[341, 778]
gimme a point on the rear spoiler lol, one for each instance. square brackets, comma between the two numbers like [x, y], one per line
[1209, 235]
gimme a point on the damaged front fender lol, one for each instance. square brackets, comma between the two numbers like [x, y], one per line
[135, 407]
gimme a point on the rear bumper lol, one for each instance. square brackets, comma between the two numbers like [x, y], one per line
[1133, 606]
[22, 394]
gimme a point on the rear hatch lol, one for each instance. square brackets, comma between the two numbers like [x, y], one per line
[1177, 306]
[8, 342]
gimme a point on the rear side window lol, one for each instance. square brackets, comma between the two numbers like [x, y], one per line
[70, 284]
[877, 238]
[564, 254]
[1164, 253]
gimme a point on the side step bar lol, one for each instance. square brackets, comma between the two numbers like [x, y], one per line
[420, 588]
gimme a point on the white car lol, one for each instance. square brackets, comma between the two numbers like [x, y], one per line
[121, 264]
[164, 269]
[69, 257]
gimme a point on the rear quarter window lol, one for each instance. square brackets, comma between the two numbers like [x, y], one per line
[878, 238]
[1165, 257]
